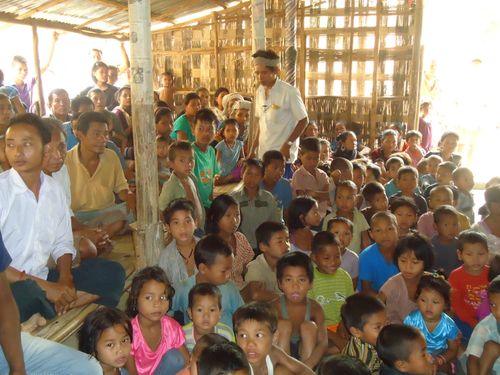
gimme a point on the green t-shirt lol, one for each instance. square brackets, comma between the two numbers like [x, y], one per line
[331, 291]
[183, 125]
[205, 168]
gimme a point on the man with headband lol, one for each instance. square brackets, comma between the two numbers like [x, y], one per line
[281, 114]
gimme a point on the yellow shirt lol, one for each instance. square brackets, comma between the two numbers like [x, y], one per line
[97, 192]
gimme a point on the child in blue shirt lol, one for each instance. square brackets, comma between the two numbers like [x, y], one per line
[273, 181]
[229, 153]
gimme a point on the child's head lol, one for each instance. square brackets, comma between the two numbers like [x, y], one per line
[303, 212]
[223, 216]
[345, 196]
[433, 296]
[494, 297]
[274, 165]
[241, 111]
[214, 259]
[181, 158]
[444, 173]
[325, 150]
[164, 121]
[161, 147]
[124, 97]
[219, 95]
[494, 270]
[448, 142]
[20, 68]
[373, 173]
[326, 252]
[407, 180]
[340, 127]
[384, 229]
[406, 212]
[223, 359]
[413, 138]
[311, 130]
[363, 316]
[492, 198]
[106, 334]
[204, 127]
[433, 162]
[392, 166]
[389, 141]
[440, 196]
[446, 222]
[423, 167]
[166, 79]
[255, 326]
[100, 72]
[473, 251]
[463, 179]
[358, 175]
[98, 98]
[414, 255]
[204, 307]
[6, 112]
[272, 239]
[230, 130]
[374, 194]
[347, 140]
[204, 95]
[253, 173]
[179, 220]
[343, 229]
[342, 364]
[404, 348]
[309, 153]
[205, 341]
[342, 165]
[295, 275]
[150, 294]
[192, 104]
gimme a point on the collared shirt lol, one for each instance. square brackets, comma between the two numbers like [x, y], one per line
[278, 116]
[303, 180]
[259, 270]
[94, 192]
[205, 169]
[34, 230]
[62, 176]
[486, 330]
[220, 329]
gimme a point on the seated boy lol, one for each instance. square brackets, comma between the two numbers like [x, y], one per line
[392, 166]
[403, 350]
[332, 285]
[257, 205]
[340, 170]
[223, 359]
[204, 310]
[429, 178]
[341, 364]
[273, 181]
[309, 179]
[182, 182]
[483, 351]
[214, 260]
[463, 179]
[301, 320]
[205, 166]
[363, 317]
[407, 182]
[375, 198]
[359, 178]
[405, 211]
[255, 328]
[342, 229]
[273, 243]
[444, 177]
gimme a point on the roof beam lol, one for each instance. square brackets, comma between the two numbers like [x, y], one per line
[40, 8]
[219, 3]
[103, 17]
[118, 5]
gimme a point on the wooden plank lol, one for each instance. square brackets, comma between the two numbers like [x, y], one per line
[38, 71]
[216, 49]
[416, 67]
[376, 62]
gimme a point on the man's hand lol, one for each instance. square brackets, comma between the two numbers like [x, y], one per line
[285, 150]
[61, 294]
[98, 236]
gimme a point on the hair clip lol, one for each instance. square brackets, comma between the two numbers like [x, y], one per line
[437, 275]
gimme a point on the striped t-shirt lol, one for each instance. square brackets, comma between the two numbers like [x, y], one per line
[220, 328]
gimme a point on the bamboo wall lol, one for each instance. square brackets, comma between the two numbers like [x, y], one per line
[361, 61]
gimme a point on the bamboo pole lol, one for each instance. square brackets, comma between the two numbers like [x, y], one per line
[302, 56]
[291, 40]
[216, 50]
[349, 64]
[416, 67]
[376, 61]
[141, 60]
[38, 71]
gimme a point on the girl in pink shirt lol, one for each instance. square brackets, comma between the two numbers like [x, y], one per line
[158, 340]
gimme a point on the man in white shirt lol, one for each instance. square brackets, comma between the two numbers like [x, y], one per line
[35, 224]
[279, 109]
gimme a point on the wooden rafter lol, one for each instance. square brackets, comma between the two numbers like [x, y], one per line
[103, 17]
[118, 5]
[219, 3]
[40, 8]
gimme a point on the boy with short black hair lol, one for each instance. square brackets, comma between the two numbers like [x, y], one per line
[373, 173]
[405, 211]
[444, 176]
[429, 178]
[463, 179]
[403, 350]
[445, 242]
[363, 316]
[274, 182]
[256, 330]
[342, 364]
[375, 198]
[340, 169]
[223, 359]
[413, 139]
[342, 228]
[407, 182]
[214, 260]
[392, 166]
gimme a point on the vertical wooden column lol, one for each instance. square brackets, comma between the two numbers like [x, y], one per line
[302, 55]
[416, 67]
[349, 63]
[38, 71]
[141, 60]
[291, 40]
[215, 24]
[376, 62]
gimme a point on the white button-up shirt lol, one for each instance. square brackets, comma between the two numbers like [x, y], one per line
[278, 115]
[34, 230]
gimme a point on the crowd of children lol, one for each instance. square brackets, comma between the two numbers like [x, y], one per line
[363, 262]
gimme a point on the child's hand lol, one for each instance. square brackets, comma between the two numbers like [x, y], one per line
[335, 175]
[240, 162]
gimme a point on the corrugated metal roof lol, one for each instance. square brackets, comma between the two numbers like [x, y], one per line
[99, 17]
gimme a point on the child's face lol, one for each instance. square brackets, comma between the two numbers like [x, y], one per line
[279, 245]
[440, 198]
[311, 131]
[230, 133]
[183, 163]
[389, 143]
[339, 129]
[379, 202]
[164, 125]
[413, 142]
[345, 199]
[431, 304]
[343, 233]
[161, 149]
[310, 160]
[125, 98]
[101, 74]
[443, 176]
[447, 227]
[406, 218]
[394, 167]
[220, 271]
[98, 100]
[449, 144]
[372, 328]
[113, 347]
[193, 107]
[242, 116]
[204, 98]
[229, 223]
[5, 111]
[420, 361]
[328, 259]
[432, 165]
[20, 71]
[350, 142]
[255, 339]
[358, 178]
[167, 80]
[324, 154]
[465, 181]
[275, 170]
[495, 305]
[23, 148]
[152, 302]
[205, 313]
[204, 132]
[295, 284]
[475, 256]
[410, 267]
[182, 226]
[313, 217]
[252, 176]
[384, 232]
[407, 183]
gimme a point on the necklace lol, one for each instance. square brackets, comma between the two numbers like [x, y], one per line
[186, 259]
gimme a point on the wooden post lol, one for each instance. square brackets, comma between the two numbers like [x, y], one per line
[376, 60]
[349, 64]
[215, 24]
[38, 71]
[149, 231]
[416, 66]
[291, 40]
[302, 56]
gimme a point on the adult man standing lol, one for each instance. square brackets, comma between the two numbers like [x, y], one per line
[281, 114]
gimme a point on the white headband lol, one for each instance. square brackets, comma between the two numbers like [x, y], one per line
[267, 62]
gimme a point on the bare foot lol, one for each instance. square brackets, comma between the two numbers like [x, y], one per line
[33, 323]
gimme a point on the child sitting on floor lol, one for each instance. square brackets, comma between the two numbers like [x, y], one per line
[463, 179]
[273, 181]
[205, 341]
[303, 215]
[429, 178]
[375, 198]
[407, 182]
[444, 177]
[445, 242]
[229, 153]
[163, 163]
[301, 319]
[405, 211]
[392, 166]
[342, 229]
[413, 139]
[325, 155]
[342, 364]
